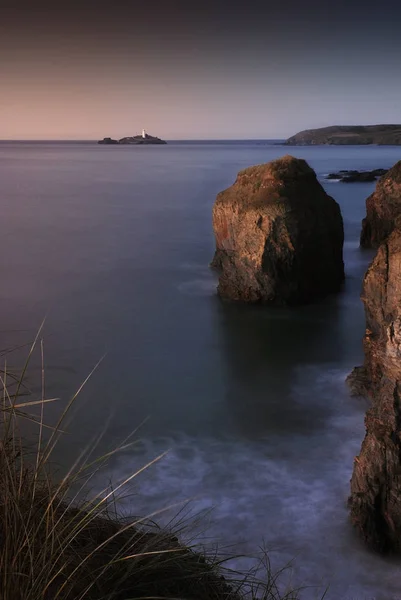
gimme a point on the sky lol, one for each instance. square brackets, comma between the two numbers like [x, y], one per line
[185, 69]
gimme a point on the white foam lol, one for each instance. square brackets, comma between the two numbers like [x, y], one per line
[198, 287]
[352, 244]
[203, 280]
[286, 491]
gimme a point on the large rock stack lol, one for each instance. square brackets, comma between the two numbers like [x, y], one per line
[279, 236]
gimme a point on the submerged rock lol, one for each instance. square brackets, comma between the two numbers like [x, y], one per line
[382, 208]
[376, 481]
[353, 176]
[279, 236]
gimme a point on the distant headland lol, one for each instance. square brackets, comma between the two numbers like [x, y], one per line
[142, 139]
[382, 135]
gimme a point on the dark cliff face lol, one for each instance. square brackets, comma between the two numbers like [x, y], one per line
[279, 236]
[376, 481]
[348, 135]
[382, 208]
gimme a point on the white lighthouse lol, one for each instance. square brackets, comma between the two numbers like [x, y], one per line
[143, 134]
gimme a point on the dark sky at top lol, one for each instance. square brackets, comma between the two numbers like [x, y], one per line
[188, 69]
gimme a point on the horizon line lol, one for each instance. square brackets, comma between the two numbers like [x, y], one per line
[195, 139]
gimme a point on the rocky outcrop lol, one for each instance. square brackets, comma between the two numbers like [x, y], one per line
[138, 140]
[348, 135]
[279, 236]
[382, 208]
[347, 176]
[358, 382]
[108, 141]
[376, 481]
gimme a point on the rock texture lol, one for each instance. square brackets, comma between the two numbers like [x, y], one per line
[382, 208]
[348, 135]
[279, 236]
[376, 481]
[358, 382]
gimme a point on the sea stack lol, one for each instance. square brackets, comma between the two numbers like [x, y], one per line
[279, 236]
[382, 208]
[376, 481]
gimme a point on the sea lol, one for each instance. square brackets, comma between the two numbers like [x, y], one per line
[246, 407]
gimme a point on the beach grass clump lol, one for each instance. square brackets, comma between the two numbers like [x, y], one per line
[56, 546]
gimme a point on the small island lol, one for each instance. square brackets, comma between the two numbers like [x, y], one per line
[382, 135]
[143, 139]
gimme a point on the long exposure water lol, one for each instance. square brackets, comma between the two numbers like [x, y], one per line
[112, 245]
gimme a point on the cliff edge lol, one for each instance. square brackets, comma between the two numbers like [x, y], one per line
[376, 481]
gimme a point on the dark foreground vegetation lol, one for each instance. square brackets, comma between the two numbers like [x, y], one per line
[54, 546]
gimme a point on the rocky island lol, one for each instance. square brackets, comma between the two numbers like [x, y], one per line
[143, 139]
[279, 236]
[381, 135]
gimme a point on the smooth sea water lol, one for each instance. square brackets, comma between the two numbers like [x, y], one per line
[112, 245]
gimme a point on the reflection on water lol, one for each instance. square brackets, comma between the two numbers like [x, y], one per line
[263, 352]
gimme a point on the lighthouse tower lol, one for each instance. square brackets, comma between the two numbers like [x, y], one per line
[143, 133]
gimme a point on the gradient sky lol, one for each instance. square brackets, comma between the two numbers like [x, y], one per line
[185, 69]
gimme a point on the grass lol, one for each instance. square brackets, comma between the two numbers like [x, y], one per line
[56, 547]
